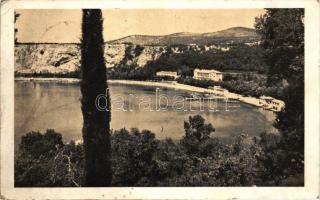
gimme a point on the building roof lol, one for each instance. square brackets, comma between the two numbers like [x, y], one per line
[266, 97]
[207, 70]
[166, 72]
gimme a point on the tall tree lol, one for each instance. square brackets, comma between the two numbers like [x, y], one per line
[96, 124]
[282, 35]
[282, 32]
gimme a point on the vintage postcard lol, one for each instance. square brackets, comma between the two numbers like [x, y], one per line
[159, 100]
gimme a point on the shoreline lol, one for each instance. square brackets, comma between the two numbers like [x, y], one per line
[168, 84]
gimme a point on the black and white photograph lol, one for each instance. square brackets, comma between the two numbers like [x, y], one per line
[159, 98]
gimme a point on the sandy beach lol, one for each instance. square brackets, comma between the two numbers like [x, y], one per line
[164, 84]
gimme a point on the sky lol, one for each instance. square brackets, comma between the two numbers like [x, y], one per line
[65, 25]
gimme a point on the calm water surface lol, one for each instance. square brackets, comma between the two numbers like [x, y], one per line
[47, 105]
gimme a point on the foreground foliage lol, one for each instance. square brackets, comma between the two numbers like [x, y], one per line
[139, 159]
[282, 33]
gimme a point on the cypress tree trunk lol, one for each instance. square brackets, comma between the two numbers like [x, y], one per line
[96, 124]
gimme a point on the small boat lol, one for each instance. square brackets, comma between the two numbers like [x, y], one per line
[270, 103]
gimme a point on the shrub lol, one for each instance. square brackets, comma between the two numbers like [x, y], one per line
[132, 156]
[43, 160]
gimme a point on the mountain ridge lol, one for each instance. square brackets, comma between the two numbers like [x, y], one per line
[234, 34]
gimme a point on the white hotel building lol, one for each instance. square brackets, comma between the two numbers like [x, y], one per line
[206, 74]
[168, 74]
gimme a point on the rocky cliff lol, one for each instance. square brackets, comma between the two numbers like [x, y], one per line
[46, 58]
[65, 58]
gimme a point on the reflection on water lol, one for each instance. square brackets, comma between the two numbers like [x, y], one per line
[43, 105]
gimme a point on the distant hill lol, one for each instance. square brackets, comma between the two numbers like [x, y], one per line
[231, 35]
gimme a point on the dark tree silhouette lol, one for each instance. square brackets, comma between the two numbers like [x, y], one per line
[282, 36]
[197, 128]
[282, 32]
[96, 124]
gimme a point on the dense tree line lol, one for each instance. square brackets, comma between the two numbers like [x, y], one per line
[139, 159]
[245, 61]
[73, 74]
[247, 84]
[240, 58]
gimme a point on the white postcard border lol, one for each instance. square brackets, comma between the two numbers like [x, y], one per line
[309, 191]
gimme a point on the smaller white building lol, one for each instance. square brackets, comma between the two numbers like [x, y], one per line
[219, 91]
[207, 74]
[271, 103]
[167, 74]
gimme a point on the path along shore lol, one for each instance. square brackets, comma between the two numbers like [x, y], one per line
[165, 84]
